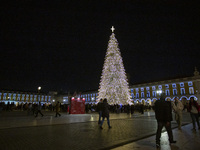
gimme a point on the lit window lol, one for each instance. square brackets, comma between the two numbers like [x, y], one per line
[174, 92]
[147, 88]
[182, 91]
[153, 88]
[190, 84]
[132, 95]
[137, 89]
[191, 90]
[137, 95]
[142, 94]
[160, 86]
[174, 85]
[131, 90]
[142, 89]
[181, 84]
[154, 93]
[148, 94]
[166, 85]
[167, 92]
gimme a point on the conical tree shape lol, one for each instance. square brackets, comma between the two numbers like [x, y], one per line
[113, 84]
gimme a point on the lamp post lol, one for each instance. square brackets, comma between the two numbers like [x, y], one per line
[159, 92]
[39, 88]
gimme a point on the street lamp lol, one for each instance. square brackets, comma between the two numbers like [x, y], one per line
[159, 92]
[39, 88]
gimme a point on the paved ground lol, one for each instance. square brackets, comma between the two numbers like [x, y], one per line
[81, 132]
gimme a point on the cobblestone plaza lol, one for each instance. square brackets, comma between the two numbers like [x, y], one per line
[81, 132]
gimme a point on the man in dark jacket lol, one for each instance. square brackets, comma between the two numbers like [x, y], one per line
[105, 113]
[163, 113]
[99, 109]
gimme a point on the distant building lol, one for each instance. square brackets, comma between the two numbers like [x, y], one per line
[18, 98]
[145, 93]
[148, 93]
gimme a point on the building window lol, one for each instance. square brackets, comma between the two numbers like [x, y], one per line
[174, 85]
[182, 91]
[131, 90]
[49, 98]
[167, 93]
[23, 95]
[147, 88]
[31, 98]
[160, 86]
[137, 95]
[132, 95]
[4, 96]
[45, 99]
[142, 94]
[190, 84]
[181, 84]
[27, 97]
[191, 90]
[153, 88]
[148, 94]
[174, 92]
[154, 93]
[35, 97]
[14, 96]
[142, 89]
[137, 89]
[42, 98]
[166, 85]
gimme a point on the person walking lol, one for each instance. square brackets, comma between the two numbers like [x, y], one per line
[178, 107]
[99, 109]
[39, 108]
[163, 114]
[194, 109]
[105, 113]
[58, 109]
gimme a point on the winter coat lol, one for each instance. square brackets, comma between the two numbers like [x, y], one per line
[99, 106]
[179, 107]
[105, 109]
[163, 111]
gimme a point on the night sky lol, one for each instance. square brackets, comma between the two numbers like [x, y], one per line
[61, 45]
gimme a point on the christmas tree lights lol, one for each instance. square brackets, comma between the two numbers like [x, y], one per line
[114, 84]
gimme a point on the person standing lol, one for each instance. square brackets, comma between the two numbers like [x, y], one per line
[58, 109]
[194, 109]
[99, 108]
[178, 107]
[163, 114]
[105, 113]
[39, 108]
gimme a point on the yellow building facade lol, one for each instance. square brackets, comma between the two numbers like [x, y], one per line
[23, 97]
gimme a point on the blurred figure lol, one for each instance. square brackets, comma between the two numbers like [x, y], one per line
[58, 109]
[163, 114]
[39, 110]
[178, 107]
[99, 109]
[194, 109]
[105, 113]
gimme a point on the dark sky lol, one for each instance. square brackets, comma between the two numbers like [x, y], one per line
[61, 45]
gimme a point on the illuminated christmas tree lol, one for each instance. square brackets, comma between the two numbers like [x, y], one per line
[114, 84]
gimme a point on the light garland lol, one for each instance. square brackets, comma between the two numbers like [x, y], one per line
[114, 84]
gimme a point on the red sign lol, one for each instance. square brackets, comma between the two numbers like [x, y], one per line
[77, 106]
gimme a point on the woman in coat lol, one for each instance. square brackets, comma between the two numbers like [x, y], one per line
[193, 109]
[105, 113]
